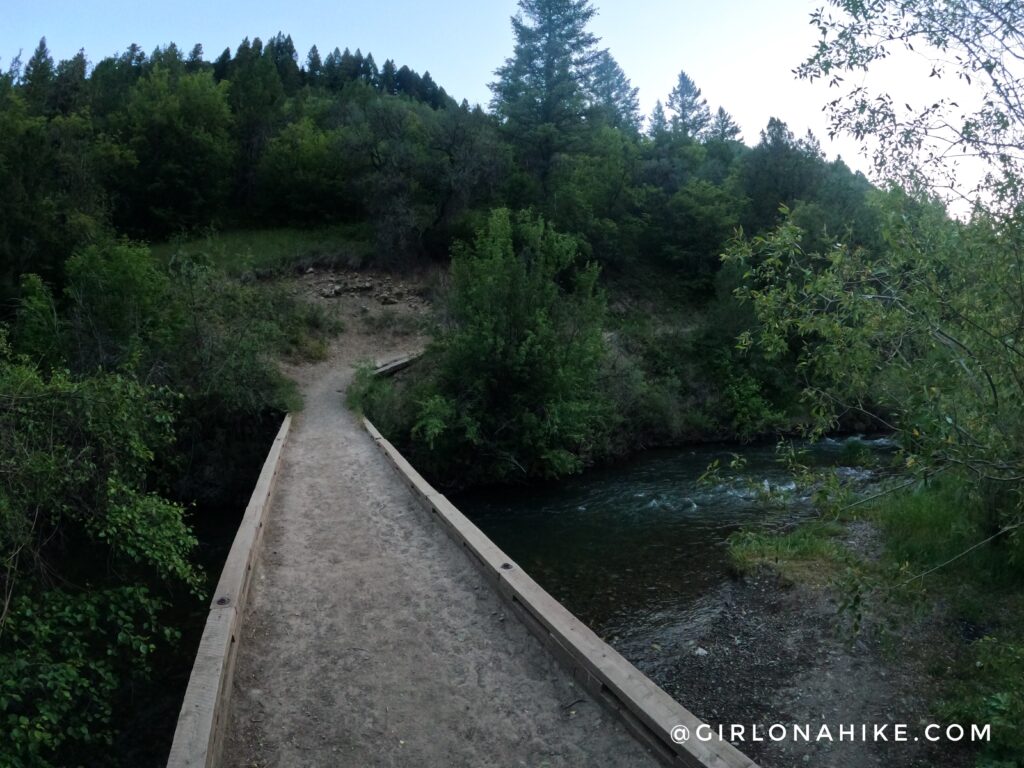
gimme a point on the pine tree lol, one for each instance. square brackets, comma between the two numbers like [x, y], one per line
[613, 95]
[409, 83]
[723, 127]
[429, 91]
[389, 78]
[332, 70]
[314, 67]
[195, 62]
[349, 65]
[659, 122]
[69, 85]
[222, 66]
[691, 116]
[38, 78]
[540, 91]
[281, 51]
[369, 73]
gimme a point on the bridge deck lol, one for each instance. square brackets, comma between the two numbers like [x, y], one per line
[369, 639]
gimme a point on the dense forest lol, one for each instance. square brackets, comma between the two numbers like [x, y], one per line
[589, 311]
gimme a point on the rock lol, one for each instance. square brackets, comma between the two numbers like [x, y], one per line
[700, 652]
[388, 299]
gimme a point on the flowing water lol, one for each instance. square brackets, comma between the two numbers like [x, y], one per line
[638, 551]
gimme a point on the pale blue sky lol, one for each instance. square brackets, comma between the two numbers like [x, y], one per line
[739, 52]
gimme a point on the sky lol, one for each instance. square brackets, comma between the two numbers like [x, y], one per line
[741, 53]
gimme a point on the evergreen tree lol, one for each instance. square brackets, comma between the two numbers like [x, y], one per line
[222, 66]
[389, 78]
[169, 58]
[429, 92]
[540, 92]
[407, 82]
[613, 96]
[659, 122]
[332, 70]
[723, 127]
[38, 78]
[112, 79]
[69, 92]
[195, 62]
[369, 73]
[691, 116]
[314, 67]
[281, 51]
[349, 65]
[256, 97]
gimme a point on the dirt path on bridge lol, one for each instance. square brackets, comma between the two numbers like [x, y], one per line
[370, 639]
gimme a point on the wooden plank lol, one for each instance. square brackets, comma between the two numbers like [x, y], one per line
[394, 366]
[199, 735]
[235, 577]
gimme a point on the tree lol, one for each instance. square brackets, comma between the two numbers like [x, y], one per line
[314, 67]
[925, 333]
[614, 97]
[540, 92]
[723, 127]
[281, 51]
[256, 97]
[691, 116]
[779, 171]
[37, 79]
[979, 43]
[195, 61]
[222, 66]
[368, 72]
[659, 122]
[389, 78]
[332, 70]
[523, 348]
[179, 132]
[70, 89]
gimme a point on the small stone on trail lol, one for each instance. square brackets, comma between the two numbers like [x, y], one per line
[701, 652]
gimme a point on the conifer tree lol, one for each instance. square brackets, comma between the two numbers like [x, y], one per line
[691, 116]
[38, 78]
[540, 92]
[314, 67]
[613, 95]
[222, 66]
[659, 122]
[389, 78]
[723, 127]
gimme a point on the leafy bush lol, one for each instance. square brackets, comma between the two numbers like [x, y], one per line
[513, 388]
[76, 510]
[994, 694]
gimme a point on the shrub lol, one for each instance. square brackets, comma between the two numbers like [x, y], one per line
[513, 388]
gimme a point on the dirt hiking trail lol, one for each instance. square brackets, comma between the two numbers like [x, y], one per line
[370, 639]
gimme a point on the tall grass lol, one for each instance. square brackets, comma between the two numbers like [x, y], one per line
[941, 524]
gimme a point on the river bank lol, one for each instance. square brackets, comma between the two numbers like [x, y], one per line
[643, 553]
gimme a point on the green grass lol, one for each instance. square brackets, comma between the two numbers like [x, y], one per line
[810, 553]
[933, 524]
[267, 252]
